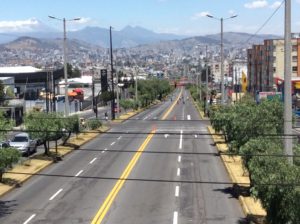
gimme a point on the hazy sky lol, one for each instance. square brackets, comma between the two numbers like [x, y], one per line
[185, 17]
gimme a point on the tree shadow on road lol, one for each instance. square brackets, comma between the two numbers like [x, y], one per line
[7, 207]
[235, 191]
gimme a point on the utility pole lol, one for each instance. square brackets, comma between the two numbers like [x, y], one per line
[222, 55]
[65, 71]
[236, 85]
[206, 78]
[222, 65]
[288, 141]
[136, 84]
[118, 96]
[65, 61]
[112, 78]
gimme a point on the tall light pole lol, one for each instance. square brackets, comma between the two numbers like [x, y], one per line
[65, 60]
[222, 54]
[206, 78]
[136, 83]
[288, 141]
[113, 116]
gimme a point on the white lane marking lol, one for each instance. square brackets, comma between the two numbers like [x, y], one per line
[93, 160]
[29, 219]
[179, 159]
[196, 136]
[180, 140]
[178, 172]
[53, 196]
[166, 135]
[77, 174]
[105, 149]
[119, 137]
[113, 143]
[175, 218]
[177, 191]
[103, 152]
[189, 117]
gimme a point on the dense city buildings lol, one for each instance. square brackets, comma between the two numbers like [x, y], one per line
[266, 65]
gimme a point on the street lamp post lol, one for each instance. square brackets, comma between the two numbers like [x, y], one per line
[65, 60]
[288, 141]
[113, 115]
[222, 54]
[136, 83]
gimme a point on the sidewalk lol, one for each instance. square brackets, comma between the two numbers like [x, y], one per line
[252, 208]
[14, 177]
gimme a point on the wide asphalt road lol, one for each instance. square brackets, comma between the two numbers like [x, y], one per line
[149, 169]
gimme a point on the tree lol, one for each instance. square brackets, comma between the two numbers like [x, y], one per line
[2, 94]
[255, 132]
[44, 127]
[5, 125]
[127, 104]
[70, 125]
[73, 72]
[8, 156]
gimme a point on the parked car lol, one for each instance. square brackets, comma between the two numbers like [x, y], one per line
[23, 143]
[3, 145]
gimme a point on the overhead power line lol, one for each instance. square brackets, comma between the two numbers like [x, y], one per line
[156, 180]
[265, 23]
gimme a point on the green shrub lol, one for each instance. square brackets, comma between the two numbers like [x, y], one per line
[93, 124]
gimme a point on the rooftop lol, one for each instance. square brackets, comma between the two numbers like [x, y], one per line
[19, 69]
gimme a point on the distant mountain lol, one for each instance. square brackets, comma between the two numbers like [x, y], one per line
[127, 37]
[231, 39]
[35, 44]
[242, 38]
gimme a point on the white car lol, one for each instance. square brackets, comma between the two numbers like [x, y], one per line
[23, 143]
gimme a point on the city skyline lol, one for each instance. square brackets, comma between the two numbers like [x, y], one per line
[162, 16]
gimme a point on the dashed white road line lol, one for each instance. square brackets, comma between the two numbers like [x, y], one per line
[179, 159]
[178, 172]
[180, 140]
[29, 219]
[177, 191]
[175, 218]
[93, 160]
[188, 117]
[113, 143]
[105, 149]
[196, 136]
[57, 193]
[103, 152]
[119, 137]
[77, 174]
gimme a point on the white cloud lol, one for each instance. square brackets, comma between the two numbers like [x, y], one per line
[84, 20]
[275, 5]
[199, 15]
[232, 12]
[256, 4]
[19, 25]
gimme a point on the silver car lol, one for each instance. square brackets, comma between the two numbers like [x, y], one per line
[23, 143]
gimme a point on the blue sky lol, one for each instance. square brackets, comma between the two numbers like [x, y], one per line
[186, 17]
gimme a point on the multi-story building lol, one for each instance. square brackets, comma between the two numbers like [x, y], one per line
[216, 70]
[266, 65]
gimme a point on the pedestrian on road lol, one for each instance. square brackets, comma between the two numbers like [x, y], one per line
[106, 116]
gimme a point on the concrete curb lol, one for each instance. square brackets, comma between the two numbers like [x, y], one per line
[248, 211]
[27, 177]
[23, 180]
[201, 113]
[42, 167]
